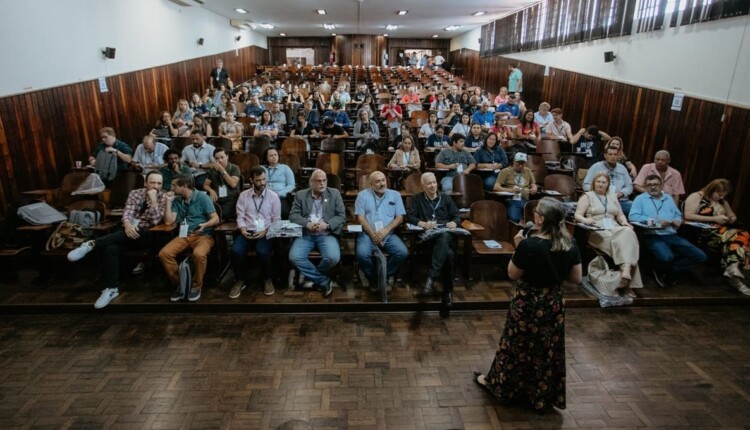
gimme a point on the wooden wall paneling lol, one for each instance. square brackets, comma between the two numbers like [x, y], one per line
[43, 133]
[703, 147]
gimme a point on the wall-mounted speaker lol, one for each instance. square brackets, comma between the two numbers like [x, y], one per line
[200, 41]
[237, 39]
[109, 53]
[609, 57]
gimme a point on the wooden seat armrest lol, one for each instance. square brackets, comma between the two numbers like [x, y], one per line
[42, 227]
[471, 226]
[104, 226]
[228, 226]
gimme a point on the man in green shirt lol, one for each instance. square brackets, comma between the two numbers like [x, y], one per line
[223, 183]
[194, 213]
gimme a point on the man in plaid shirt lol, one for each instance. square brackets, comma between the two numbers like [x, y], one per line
[143, 209]
[279, 92]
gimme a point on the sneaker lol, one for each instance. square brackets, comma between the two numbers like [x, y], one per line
[363, 279]
[139, 268]
[177, 295]
[268, 288]
[660, 278]
[194, 295]
[108, 294]
[81, 251]
[236, 289]
[391, 283]
[739, 285]
[327, 288]
[308, 285]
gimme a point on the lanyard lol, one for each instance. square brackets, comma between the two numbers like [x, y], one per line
[604, 203]
[655, 207]
[271, 172]
[259, 206]
[407, 157]
[377, 205]
[196, 152]
[318, 207]
[435, 207]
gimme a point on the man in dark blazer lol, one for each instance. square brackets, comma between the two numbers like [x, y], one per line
[320, 211]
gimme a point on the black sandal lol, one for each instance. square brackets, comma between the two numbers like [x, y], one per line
[477, 374]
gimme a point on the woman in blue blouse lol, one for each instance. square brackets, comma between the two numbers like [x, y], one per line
[279, 178]
[491, 156]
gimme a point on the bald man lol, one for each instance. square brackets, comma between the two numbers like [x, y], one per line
[670, 177]
[380, 211]
[320, 211]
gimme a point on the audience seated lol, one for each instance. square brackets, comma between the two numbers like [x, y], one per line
[199, 124]
[528, 130]
[432, 209]
[257, 209]
[196, 217]
[278, 117]
[670, 178]
[585, 141]
[164, 128]
[502, 96]
[463, 127]
[223, 183]
[613, 236]
[198, 156]
[560, 130]
[312, 116]
[339, 116]
[279, 93]
[329, 129]
[511, 107]
[616, 142]
[438, 139]
[405, 131]
[302, 128]
[280, 179]
[144, 209]
[452, 117]
[456, 160]
[183, 116]
[392, 114]
[428, 128]
[197, 105]
[475, 138]
[367, 133]
[172, 168]
[406, 156]
[491, 156]
[149, 154]
[253, 108]
[380, 211]
[673, 254]
[543, 117]
[519, 180]
[320, 211]
[621, 185]
[709, 205]
[266, 127]
[232, 130]
[483, 117]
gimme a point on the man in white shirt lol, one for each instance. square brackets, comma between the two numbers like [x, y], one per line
[150, 153]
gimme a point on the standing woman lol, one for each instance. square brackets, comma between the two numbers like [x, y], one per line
[529, 364]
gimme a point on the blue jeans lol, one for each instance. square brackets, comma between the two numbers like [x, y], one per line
[674, 253]
[489, 182]
[447, 184]
[515, 209]
[626, 205]
[329, 251]
[393, 246]
[240, 247]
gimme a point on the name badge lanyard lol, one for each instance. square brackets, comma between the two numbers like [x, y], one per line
[318, 207]
[258, 207]
[196, 152]
[435, 207]
[657, 208]
[604, 203]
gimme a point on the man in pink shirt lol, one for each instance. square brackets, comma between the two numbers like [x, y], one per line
[671, 178]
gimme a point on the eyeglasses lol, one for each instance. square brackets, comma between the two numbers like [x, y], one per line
[653, 185]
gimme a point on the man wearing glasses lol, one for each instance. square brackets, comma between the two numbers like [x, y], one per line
[658, 212]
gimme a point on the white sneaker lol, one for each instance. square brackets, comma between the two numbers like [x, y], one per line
[744, 290]
[363, 279]
[108, 294]
[139, 268]
[81, 251]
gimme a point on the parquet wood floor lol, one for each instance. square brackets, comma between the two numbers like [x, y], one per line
[627, 368]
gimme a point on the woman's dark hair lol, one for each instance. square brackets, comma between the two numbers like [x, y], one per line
[265, 154]
[270, 117]
[486, 138]
[524, 122]
[553, 213]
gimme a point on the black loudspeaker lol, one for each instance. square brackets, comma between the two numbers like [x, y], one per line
[109, 53]
[200, 41]
[609, 57]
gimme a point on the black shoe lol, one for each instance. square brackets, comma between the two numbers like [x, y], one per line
[448, 300]
[660, 278]
[427, 289]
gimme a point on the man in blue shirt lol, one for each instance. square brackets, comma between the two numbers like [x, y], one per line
[673, 253]
[339, 116]
[253, 108]
[483, 117]
[379, 211]
[511, 106]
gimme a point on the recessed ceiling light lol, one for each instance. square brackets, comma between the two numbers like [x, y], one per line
[321, 11]
[452, 27]
[390, 27]
[333, 34]
[329, 26]
[435, 35]
[282, 34]
[403, 12]
[240, 10]
[385, 34]
[267, 26]
[480, 13]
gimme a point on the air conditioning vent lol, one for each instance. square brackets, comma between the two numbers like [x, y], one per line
[181, 3]
[201, 2]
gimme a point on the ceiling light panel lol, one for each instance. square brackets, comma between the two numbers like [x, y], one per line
[240, 10]
[321, 11]
[403, 12]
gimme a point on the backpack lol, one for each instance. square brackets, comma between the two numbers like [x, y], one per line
[186, 276]
[85, 219]
[66, 236]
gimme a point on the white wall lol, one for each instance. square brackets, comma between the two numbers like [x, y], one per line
[697, 60]
[468, 40]
[47, 43]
